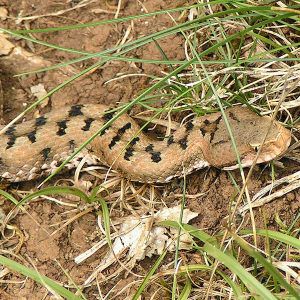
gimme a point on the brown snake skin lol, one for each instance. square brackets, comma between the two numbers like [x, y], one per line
[35, 148]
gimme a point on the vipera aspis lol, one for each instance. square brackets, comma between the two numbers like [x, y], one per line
[35, 148]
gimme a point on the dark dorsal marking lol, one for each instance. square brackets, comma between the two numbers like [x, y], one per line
[123, 129]
[203, 128]
[72, 144]
[11, 141]
[62, 126]
[203, 131]
[219, 142]
[207, 126]
[119, 134]
[145, 129]
[155, 155]
[134, 141]
[183, 143]
[114, 140]
[149, 148]
[128, 153]
[108, 115]
[75, 110]
[104, 130]
[189, 126]
[212, 135]
[170, 140]
[40, 121]
[234, 117]
[45, 153]
[31, 136]
[88, 122]
[10, 132]
[130, 149]
[218, 120]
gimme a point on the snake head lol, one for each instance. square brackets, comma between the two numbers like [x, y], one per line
[258, 139]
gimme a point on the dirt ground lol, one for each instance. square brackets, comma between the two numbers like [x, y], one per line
[51, 254]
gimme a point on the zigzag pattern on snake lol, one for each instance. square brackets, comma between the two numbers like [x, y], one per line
[35, 148]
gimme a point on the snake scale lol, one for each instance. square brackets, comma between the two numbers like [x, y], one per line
[36, 147]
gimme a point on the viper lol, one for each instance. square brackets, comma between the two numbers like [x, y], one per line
[36, 147]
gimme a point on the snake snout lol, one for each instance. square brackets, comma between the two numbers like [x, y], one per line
[262, 153]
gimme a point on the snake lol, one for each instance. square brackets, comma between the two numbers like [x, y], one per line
[35, 148]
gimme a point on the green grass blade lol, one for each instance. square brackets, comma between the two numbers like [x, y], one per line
[143, 40]
[235, 287]
[268, 267]
[106, 221]
[192, 268]
[199, 234]
[9, 197]
[184, 295]
[41, 279]
[148, 276]
[57, 88]
[60, 190]
[282, 237]
[174, 286]
[123, 19]
[254, 286]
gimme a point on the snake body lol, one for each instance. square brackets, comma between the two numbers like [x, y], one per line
[36, 147]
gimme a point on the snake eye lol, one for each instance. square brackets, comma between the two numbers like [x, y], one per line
[255, 147]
